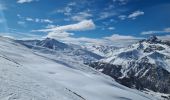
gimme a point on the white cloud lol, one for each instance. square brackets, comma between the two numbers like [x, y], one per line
[105, 15]
[37, 20]
[51, 26]
[15, 34]
[46, 21]
[62, 31]
[121, 2]
[116, 37]
[85, 40]
[122, 17]
[59, 34]
[81, 26]
[133, 15]
[149, 32]
[136, 14]
[29, 19]
[42, 20]
[66, 10]
[111, 28]
[72, 4]
[165, 37]
[81, 16]
[110, 7]
[21, 23]
[166, 30]
[122, 40]
[24, 1]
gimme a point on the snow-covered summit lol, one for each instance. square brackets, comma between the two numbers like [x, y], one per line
[52, 44]
[153, 38]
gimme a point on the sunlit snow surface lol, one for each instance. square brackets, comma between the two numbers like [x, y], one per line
[29, 75]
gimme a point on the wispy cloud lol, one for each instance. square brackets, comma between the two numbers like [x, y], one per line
[150, 32]
[122, 17]
[135, 14]
[66, 10]
[3, 7]
[15, 34]
[29, 19]
[72, 4]
[81, 16]
[37, 20]
[121, 2]
[25, 1]
[2, 20]
[85, 41]
[165, 37]
[21, 23]
[116, 37]
[111, 28]
[166, 30]
[122, 40]
[104, 15]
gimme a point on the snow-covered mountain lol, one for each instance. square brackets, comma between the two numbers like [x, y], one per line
[145, 64]
[103, 50]
[26, 74]
[61, 50]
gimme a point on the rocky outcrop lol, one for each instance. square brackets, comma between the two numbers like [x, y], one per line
[141, 76]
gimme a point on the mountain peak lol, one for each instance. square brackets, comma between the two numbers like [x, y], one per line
[50, 39]
[52, 44]
[153, 39]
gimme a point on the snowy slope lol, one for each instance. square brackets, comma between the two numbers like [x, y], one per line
[29, 75]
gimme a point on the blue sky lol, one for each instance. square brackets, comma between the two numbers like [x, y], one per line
[85, 19]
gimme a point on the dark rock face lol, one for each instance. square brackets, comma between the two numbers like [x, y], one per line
[153, 48]
[152, 39]
[108, 69]
[143, 75]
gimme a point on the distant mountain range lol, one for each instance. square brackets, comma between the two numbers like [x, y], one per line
[64, 50]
